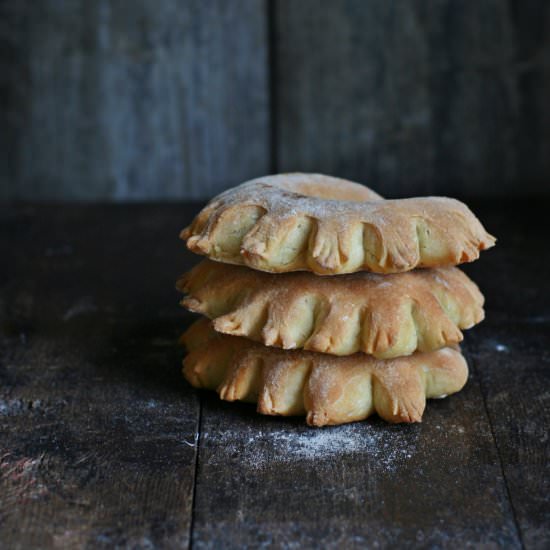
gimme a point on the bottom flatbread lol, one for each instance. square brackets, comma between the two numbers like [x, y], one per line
[327, 389]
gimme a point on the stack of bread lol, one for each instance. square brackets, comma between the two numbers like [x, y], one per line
[323, 299]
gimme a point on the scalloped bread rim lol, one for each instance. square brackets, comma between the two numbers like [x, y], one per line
[384, 316]
[274, 224]
[328, 390]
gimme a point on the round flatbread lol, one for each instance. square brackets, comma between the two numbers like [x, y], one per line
[382, 315]
[329, 226]
[327, 389]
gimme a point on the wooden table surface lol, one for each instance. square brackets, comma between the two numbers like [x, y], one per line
[103, 444]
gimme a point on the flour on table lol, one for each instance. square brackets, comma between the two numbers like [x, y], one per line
[271, 447]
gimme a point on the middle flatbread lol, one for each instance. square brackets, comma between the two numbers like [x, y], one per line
[383, 315]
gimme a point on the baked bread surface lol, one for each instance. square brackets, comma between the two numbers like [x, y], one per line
[382, 315]
[329, 390]
[329, 226]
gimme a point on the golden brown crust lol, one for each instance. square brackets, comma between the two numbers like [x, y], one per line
[327, 389]
[312, 222]
[385, 316]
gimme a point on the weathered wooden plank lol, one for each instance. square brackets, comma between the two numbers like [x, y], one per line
[416, 97]
[133, 99]
[276, 482]
[510, 353]
[513, 362]
[97, 428]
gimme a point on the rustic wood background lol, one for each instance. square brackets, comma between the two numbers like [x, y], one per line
[132, 99]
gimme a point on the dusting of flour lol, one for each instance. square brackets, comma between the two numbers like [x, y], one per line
[261, 448]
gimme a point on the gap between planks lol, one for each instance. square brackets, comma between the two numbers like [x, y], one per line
[198, 435]
[272, 81]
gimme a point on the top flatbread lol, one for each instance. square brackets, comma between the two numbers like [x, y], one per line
[312, 222]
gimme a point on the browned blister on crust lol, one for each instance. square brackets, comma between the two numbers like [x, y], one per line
[382, 315]
[326, 389]
[312, 222]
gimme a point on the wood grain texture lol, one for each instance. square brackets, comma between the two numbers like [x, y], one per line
[183, 99]
[513, 362]
[433, 97]
[132, 99]
[510, 352]
[97, 428]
